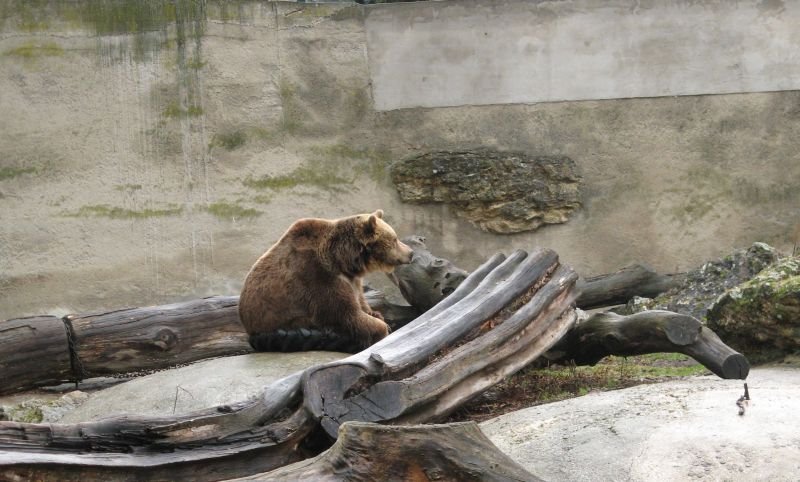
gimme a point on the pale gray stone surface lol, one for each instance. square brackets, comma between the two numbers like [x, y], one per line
[201, 385]
[679, 430]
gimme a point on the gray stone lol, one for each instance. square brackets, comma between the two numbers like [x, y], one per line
[761, 317]
[501, 192]
[201, 385]
[677, 430]
[702, 286]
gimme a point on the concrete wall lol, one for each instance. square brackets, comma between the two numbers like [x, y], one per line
[154, 159]
[475, 52]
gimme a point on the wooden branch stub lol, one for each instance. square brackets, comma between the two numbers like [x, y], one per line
[158, 337]
[33, 352]
[428, 279]
[368, 452]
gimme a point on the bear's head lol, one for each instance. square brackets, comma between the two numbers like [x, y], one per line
[382, 250]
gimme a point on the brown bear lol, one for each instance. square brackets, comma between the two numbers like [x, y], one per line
[311, 278]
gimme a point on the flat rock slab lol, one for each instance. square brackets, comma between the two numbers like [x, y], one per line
[680, 430]
[200, 385]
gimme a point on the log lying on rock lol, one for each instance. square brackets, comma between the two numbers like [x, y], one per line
[46, 350]
[654, 331]
[506, 312]
[368, 452]
[619, 287]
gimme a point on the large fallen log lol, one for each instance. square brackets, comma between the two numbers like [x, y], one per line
[619, 287]
[368, 452]
[48, 350]
[423, 371]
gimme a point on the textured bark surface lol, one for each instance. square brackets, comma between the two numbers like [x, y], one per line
[33, 352]
[617, 288]
[653, 331]
[368, 452]
[428, 279]
[157, 337]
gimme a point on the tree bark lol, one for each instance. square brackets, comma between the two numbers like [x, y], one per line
[157, 337]
[428, 279]
[617, 288]
[33, 352]
[368, 452]
[653, 331]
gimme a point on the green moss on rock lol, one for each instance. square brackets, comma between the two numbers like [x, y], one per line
[761, 317]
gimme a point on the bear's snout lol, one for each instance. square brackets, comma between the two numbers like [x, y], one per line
[406, 253]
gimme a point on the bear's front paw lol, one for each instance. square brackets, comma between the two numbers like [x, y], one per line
[376, 314]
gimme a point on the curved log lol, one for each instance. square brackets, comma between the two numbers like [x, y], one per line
[368, 452]
[653, 331]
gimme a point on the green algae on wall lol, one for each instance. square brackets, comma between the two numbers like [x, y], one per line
[12, 172]
[226, 210]
[115, 212]
[32, 50]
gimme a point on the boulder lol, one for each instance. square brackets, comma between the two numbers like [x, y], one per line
[677, 430]
[761, 317]
[500, 192]
[700, 288]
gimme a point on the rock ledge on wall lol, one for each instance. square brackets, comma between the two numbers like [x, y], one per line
[500, 192]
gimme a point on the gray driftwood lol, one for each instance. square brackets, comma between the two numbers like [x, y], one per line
[506, 312]
[33, 352]
[654, 331]
[368, 452]
[619, 287]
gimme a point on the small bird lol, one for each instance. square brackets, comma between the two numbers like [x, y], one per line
[744, 401]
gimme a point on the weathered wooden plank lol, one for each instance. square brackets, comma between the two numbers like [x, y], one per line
[33, 352]
[157, 337]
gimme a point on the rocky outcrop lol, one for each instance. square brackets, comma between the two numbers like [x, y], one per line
[500, 192]
[701, 287]
[762, 315]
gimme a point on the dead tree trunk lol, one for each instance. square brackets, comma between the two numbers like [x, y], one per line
[617, 288]
[654, 331]
[507, 312]
[367, 452]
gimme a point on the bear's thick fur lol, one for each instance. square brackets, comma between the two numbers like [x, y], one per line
[311, 278]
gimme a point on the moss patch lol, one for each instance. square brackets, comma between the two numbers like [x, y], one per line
[226, 210]
[128, 187]
[12, 172]
[34, 50]
[229, 140]
[302, 176]
[114, 212]
[175, 111]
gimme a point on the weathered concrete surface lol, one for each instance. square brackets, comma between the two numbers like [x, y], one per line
[672, 431]
[133, 167]
[474, 52]
[200, 385]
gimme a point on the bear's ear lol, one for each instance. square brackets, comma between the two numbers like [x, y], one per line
[378, 213]
[372, 225]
